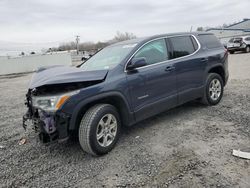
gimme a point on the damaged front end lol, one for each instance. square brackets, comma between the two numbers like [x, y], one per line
[51, 88]
[51, 125]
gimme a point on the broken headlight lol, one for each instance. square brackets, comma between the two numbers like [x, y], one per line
[51, 103]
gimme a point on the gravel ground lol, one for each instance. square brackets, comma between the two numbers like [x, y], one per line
[189, 146]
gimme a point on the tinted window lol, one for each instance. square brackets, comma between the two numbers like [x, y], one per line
[247, 39]
[153, 52]
[182, 46]
[210, 41]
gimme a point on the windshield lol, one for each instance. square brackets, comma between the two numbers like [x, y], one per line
[108, 58]
[237, 40]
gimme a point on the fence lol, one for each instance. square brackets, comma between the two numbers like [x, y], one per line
[13, 65]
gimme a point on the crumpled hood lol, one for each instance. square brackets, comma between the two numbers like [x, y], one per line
[63, 74]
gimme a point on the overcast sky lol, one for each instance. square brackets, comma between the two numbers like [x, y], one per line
[43, 23]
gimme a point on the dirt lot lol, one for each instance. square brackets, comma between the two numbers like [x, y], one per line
[189, 146]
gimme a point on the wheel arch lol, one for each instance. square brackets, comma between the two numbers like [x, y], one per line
[219, 70]
[114, 98]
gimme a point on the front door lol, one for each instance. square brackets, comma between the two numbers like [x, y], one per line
[153, 87]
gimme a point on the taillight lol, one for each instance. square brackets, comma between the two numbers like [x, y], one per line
[226, 51]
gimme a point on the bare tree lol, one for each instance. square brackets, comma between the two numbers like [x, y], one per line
[91, 46]
[225, 25]
[199, 29]
[100, 45]
[66, 46]
[123, 36]
[87, 46]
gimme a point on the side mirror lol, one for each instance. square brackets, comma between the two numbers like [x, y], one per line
[136, 63]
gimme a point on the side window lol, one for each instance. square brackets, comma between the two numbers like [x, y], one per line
[153, 52]
[183, 45]
[210, 41]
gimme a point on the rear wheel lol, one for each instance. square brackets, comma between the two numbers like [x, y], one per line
[213, 90]
[99, 129]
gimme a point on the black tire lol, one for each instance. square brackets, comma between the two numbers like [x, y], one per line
[88, 129]
[247, 50]
[207, 99]
[231, 52]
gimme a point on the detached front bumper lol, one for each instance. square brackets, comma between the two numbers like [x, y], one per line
[50, 126]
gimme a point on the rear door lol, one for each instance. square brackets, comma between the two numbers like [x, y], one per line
[214, 51]
[153, 87]
[190, 64]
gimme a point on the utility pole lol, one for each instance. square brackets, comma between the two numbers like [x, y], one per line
[191, 28]
[77, 44]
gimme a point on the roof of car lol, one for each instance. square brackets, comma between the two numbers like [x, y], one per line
[144, 39]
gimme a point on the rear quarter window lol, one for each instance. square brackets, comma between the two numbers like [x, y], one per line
[210, 41]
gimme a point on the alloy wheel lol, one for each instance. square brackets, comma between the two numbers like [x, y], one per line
[215, 89]
[106, 130]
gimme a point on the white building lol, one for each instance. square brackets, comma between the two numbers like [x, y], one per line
[238, 29]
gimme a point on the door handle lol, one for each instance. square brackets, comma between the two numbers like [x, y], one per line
[204, 59]
[169, 68]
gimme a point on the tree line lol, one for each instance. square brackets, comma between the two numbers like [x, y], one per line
[90, 46]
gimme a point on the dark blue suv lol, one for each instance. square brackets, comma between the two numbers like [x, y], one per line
[125, 83]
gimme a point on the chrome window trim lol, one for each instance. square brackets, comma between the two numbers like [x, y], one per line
[169, 60]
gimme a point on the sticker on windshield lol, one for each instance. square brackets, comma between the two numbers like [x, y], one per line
[129, 45]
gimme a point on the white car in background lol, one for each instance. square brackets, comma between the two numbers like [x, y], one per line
[239, 44]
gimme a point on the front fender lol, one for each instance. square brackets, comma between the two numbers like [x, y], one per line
[84, 103]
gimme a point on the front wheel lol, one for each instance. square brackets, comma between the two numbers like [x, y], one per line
[99, 129]
[213, 90]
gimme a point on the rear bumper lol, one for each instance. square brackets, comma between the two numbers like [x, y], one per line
[50, 127]
[235, 48]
